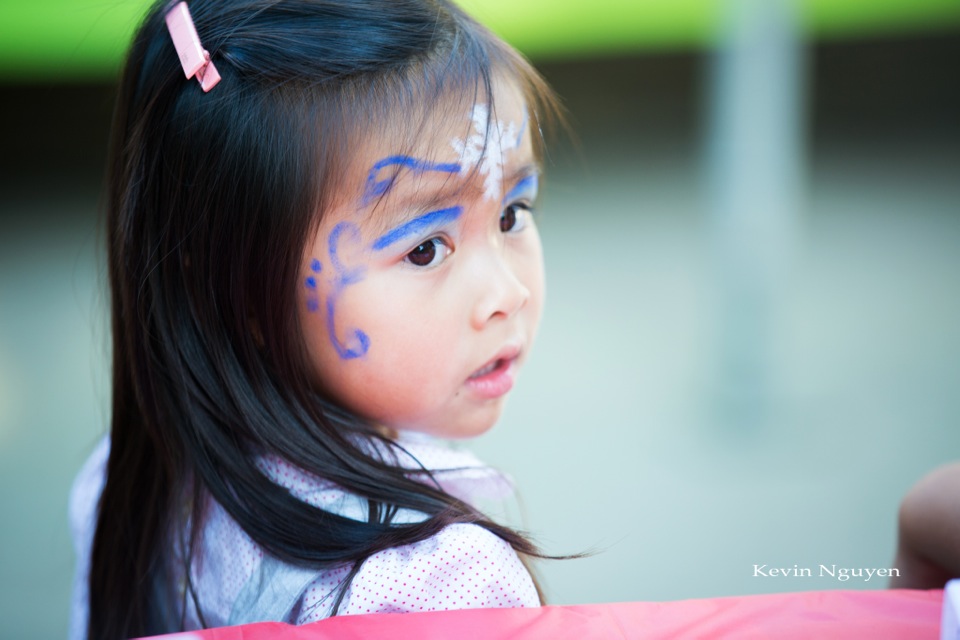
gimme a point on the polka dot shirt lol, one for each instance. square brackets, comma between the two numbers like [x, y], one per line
[463, 566]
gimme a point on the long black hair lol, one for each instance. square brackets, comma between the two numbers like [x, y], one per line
[211, 199]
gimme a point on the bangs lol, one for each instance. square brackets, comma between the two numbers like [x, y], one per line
[441, 88]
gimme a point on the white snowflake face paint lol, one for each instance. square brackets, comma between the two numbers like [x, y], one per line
[484, 149]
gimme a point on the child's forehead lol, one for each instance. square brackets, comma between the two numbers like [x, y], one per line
[432, 131]
[453, 148]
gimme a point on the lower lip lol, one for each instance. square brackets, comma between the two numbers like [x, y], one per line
[496, 383]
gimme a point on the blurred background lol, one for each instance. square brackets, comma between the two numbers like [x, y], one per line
[751, 346]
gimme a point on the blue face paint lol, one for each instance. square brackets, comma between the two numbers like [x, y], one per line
[417, 226]
[361, 343]
[526, 187]
[523, 129]
[376, 187]
[313, 303]
[344, 276]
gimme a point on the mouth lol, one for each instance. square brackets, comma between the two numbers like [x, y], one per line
[495, 378]
[496, 365]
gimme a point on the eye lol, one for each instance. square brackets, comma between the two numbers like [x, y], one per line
[429, 253]
[514, 217]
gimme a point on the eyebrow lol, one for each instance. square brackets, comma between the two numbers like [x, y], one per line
[376, 187]
[531, 180]
[433, 200]
[522, 175]
[417, 226]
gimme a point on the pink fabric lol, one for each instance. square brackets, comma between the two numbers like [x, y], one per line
[880, 615]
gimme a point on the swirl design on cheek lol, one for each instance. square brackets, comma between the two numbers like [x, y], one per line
[358, 343]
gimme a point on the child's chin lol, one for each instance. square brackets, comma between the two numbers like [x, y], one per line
[462, 431]
[474, 429]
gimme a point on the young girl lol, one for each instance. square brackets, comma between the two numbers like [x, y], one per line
[320, 255]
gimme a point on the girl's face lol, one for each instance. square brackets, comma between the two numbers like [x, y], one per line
[421, 293]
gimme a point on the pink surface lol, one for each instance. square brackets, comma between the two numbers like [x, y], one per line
[912, 615]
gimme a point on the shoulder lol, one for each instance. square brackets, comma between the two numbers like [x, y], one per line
[312, 489]
[85, 494]
[462, 567]
[84, 498]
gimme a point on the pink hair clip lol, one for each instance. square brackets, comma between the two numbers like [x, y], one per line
[194, 58]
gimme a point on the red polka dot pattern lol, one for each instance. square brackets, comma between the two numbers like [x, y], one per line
[463, 566]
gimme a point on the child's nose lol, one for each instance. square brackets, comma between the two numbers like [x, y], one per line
[502, 292]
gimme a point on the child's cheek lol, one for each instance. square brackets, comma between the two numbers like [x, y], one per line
[345, 269]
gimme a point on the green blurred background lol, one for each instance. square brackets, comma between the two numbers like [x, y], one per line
[80, 40]
[751, 346]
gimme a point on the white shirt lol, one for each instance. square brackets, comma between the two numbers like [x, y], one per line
[463, 566]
